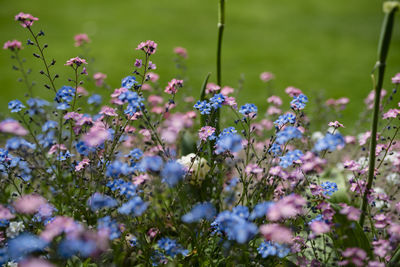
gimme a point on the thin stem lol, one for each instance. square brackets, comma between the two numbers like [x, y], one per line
[384, 43]
[24, 74]
[221, 26]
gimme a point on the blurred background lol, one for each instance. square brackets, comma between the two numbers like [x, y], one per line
[321, 47]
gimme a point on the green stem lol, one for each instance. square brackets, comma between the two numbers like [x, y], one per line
[221, 26]
[384, 43]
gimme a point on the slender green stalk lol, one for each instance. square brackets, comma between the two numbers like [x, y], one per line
[383, 49]
[221, 26]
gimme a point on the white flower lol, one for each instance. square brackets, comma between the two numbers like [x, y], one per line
[393, 178]
[316, 136]
[11, 264]
[14, 229]
[199, 167]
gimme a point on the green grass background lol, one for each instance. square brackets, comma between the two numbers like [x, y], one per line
[318, 46]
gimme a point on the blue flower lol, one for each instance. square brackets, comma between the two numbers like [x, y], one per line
[230, 142]
[15, 105]
[287, 134]
[3, 256]
[35, 105]
[23, 245]
[275, 149]
[203, 106]
[241, 211]
[49, 125]
[329, 142]
[247, 108]
[286, 118]
[66, 94]
[82, 148]
[136, 206]
[329, 188]
[151, 163]
[299, 102]
[171, 247]
[98, 201]
[260, 210]
[268, 248]
[71, 247]
[117, 168]
[3, 155]
[128, 82]
[226, 131]
[95, 99]
[172, 173]
[136, 153]
[217, 100]
[106, 223]
[201, 211]
[291, 156]
[16, 143]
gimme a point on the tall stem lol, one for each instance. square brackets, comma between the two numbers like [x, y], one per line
[383, 49]
[221, 26]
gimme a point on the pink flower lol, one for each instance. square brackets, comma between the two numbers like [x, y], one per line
[153, 76]
[13, 127]
[173, 85]
[287, 207]
[99, 78]
[230, 101]
[293, 91]
[25, 19]
[353, 214]
[82, 164]
[12, 45]
[96, 136]
[76, 60]
[108, 111]
[355, 256]
[138, 63]
[350, 139]
[381, 221]
[60, 225]
[364, 137]
[341, 102]
[226, 90]
[396, 79]
[335, 124]
[266, 76]
[253, 169]
[276, 100]
[381, 247]
[81, 39]
[272, 110]
[29, 204]
[5, 213]
[351, 165]
[205, 132]
[319, 227]
[149, 47]
[369, 101]
[392, 113]
[56, 148]
[180, 51]
[212, 87]
[35, 262]
[277, 233]
[82, 91]
[155, 100]
[140, 179]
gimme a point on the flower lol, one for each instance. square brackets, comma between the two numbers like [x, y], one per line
[200, 211]
[329, 188]
[172, 173]
[173, 85]
[109, 225]
[149, 47]
[12, 45]
[196, 165]
[248, 109]
[354, 256]
[171, 247]
[268, 248]
[128, 82]
[96, 136]
[287, 134]
[25, 244]
[299, 102]
[180, 51]
[266, 76]
[81, 39]
[13, 127]
[98, 201]
[276, 100]
[229, 142]
[330, 142]
[217, 100]
[396, 79]
[135, 207]
[15, 106]
[14, 228]
[99, 78]
[319, 227]
[203, 106]
[335, 124]
[391, 113]
[206, 132]
[287, 207]
[286, 118]
[29, 204]
[76, 60]
[290, 157]
[25, 19]
[277, 233]
[151, 163]
[260, 210]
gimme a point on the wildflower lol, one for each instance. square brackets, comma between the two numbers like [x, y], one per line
[99, 78]
[151, 163]
[275, 149]
[290, 157]
[135, 207]
[117, 168]
[14, 229]
[217, 100]
[277, 233]
[5, 213]
[76, 246]
[203, 106]
[381, 247]
[136, 153]
[149, 47]
[138, 63]
[212, 88]
[108, 111]
[266, 76]
[227, 131]
[35, 262]
[299, 102]
[260, 210]
[396, 79]
[25, 19]
[200, 211]
[12, 45]
[229, 142]
[207, 132]
[77, 61]
[151, 66]
[287, 134]
[391, 113]
[335, 124]
[13, 127]
[276, 100]
[25, 244]
[268, 248]
[172, 173]
[330, 142]
[329, 188]
[248, 109]
[355, 256]
[180, 51]
[65, 93]
[96, 136]
[381, 221]
[287, 207]
[81, 39]
[128, 82]
[292, 91]
[98, 201]
[195, 165]
[29, 204]
[15, 105]
[16, 143]
[319, 227]
[171, 247]
[286, 118]
[95, 99]
[173, 85]
[109, 225]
